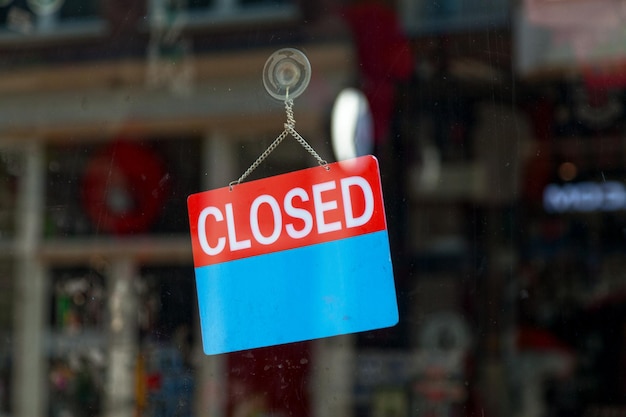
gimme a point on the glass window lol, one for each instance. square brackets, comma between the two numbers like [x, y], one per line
[450, 16]
[31, 17]
[11, 167]
[198, 12]
[141, 176]
[201, 4]
[7, 294]
[75, 9]
[497, 129]
[264, 2]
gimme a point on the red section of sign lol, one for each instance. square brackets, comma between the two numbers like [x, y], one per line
[287, 211]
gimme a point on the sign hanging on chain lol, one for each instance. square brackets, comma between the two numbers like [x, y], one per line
[294, 257]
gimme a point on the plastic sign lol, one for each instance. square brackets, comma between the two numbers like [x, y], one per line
[293, 257]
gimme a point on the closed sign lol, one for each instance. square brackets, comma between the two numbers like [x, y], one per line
[293, 257]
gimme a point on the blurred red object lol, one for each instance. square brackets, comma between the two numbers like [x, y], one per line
[605, 77]
[531, 338]
[124, 188]
[384, 55]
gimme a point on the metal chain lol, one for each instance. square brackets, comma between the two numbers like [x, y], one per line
[309, 148]
[289, 129]
[260, 159]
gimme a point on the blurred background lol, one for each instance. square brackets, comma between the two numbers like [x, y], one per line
[499, 126]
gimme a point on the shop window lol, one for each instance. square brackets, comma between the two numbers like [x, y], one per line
[76, 341]
[11, 167]
[208, 4]
[76, 9]
[7, 295]
[164, 368]
[200, 12]
[453, 15]
[125, 187]
[38, 17]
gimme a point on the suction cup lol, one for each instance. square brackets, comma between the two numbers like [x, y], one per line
[286, 74]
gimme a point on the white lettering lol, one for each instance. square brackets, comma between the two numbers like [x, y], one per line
[254, 219]
[232, 234]
[298, 213]
[322, 207]
[360, 182]
[204, 244]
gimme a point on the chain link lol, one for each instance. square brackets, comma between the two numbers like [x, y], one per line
[260, 159]
[289, 129]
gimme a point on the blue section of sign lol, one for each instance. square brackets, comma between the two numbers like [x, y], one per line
[328, 289]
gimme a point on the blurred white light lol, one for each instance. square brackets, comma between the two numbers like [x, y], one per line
[351, 125]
